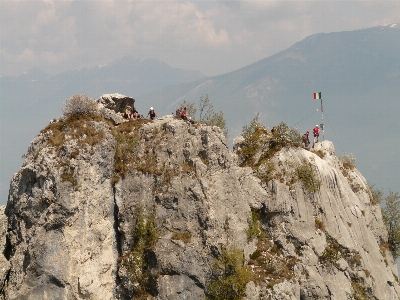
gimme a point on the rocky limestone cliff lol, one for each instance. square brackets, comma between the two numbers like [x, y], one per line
[106, 209]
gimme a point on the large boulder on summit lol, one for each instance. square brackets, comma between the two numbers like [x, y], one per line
[116, 102]
[112, 106]
[162, 210]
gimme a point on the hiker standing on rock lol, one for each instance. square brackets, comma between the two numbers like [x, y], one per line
[306, 139]
[316, 134]
[152, 113]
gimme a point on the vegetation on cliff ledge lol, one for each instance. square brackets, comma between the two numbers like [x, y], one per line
[207, 115]
[137, 259]
[230, 275]
[259, 146]
[390, 205]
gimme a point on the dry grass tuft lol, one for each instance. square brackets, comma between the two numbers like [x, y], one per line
[319, 224]
[186, 237]
[270, 264]
[319, 153]
[79, 128]
[348, 161]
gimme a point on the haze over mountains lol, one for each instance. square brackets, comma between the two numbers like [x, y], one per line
[358, 73]
[347, 67]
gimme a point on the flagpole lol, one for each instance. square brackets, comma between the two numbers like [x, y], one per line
[318, 95]
[322, 122]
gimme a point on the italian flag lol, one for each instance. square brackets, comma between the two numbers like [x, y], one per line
[317, 96]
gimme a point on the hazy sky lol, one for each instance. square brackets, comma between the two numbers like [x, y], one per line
[214, 37]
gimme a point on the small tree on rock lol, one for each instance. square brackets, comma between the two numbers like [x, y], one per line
[209, 117]
[390, 206]
[391, 218]
[207, 114]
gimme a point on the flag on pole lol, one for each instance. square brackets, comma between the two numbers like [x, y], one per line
[317, 96]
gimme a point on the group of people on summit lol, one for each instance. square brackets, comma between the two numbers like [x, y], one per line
[134, 114]
[306, 137]
[182, 113]
[131, 113]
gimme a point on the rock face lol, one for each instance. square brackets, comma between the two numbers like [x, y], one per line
[4, 264]
[148, 209]
[116, 102]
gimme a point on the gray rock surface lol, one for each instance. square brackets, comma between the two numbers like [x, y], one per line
[144, 208]
[4, 263]
[116, 102]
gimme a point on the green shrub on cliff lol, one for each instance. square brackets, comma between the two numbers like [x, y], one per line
[259, 145]
[391, 218]
[376, 196]
[390, 206]
[230, 276]
[255, 138]
[285, 136]
[308, 176]
[254, 229]
[348, 161]
[136, 261]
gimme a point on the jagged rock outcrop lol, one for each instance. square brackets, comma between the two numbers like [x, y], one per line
[106, 210]
[116, 102]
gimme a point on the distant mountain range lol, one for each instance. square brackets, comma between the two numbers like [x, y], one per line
[358, 73]
[128, 75]
[354, 70]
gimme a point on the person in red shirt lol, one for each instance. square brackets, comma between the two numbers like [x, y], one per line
[184, 114]
[316, 134]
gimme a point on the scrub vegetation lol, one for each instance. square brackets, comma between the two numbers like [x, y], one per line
[260, 145]
[137, 260]
[348, 161]
[269, 265]
[185, 237]
[80, 105]
[334, 251]
[390, 206]
[254, 230]
[230, 275]
[78, 131]
[308, 176]
[207, 115]
[127, 137]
